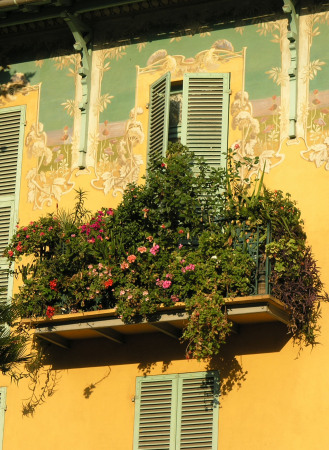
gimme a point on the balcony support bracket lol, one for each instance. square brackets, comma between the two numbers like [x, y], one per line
[289, 7]
[53, 338]
[83, 44]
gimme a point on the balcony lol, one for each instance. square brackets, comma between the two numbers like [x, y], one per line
[63, 328]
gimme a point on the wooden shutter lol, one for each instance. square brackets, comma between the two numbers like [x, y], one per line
[176, 412]
[155, 420]
[11, 142]
[158, 119]
[197, 415]
[3, 393]
[205, 116]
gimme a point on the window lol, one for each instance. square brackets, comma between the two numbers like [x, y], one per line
[3, 392]
[175, 412]
[198, 109]
[11, 141]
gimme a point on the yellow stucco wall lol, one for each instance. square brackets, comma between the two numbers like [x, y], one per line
[273, 395]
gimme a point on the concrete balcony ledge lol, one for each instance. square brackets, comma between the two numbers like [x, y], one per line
[61, 329]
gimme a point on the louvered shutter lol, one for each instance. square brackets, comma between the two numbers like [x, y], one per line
[3, 393]
[205, 116]
[155, 418]
[197, 414]
[11, 140]
[175, 412]
[158, 119]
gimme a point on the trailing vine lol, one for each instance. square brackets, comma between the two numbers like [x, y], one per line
[185, 235]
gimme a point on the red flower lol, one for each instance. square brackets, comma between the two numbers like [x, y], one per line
[53, 284]
[180, 231]
[10, 253]
[50, 312]
[163, 226]
[108, 283]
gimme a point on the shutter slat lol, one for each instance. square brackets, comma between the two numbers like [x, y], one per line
[158, 119]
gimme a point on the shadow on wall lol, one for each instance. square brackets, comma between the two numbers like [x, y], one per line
[151, 350]
[152, 353]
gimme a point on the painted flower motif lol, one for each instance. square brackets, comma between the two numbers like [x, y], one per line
[320, 122]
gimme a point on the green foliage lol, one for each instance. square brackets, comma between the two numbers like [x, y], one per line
[12, 341]
[189, 234]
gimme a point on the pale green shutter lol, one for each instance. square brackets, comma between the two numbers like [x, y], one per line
[3, 393]
[158, 119]
[155, 419]
[205, 116]
[11, 143]
[197, 414]
[176, 412]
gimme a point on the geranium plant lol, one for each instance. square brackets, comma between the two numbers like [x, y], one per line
[186, 235]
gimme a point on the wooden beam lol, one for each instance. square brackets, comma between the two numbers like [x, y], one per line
[111, 334]
[167, 329]
[55, 339]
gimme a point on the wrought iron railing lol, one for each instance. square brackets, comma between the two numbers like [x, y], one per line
[253, 240]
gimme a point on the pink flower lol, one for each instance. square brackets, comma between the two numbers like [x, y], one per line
[124, 265]
[27, 236]
[42, 233]
[180, 231]
[131, 258]
[145, 293]
[166, 284]
[72, 235]
[142, 249]
[150, 238]
[180, 246]
[122, 292]
[155, 249]
[174, 298]
[10, 253]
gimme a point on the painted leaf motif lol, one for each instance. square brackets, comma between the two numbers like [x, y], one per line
[57, 192]
[59, 181]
